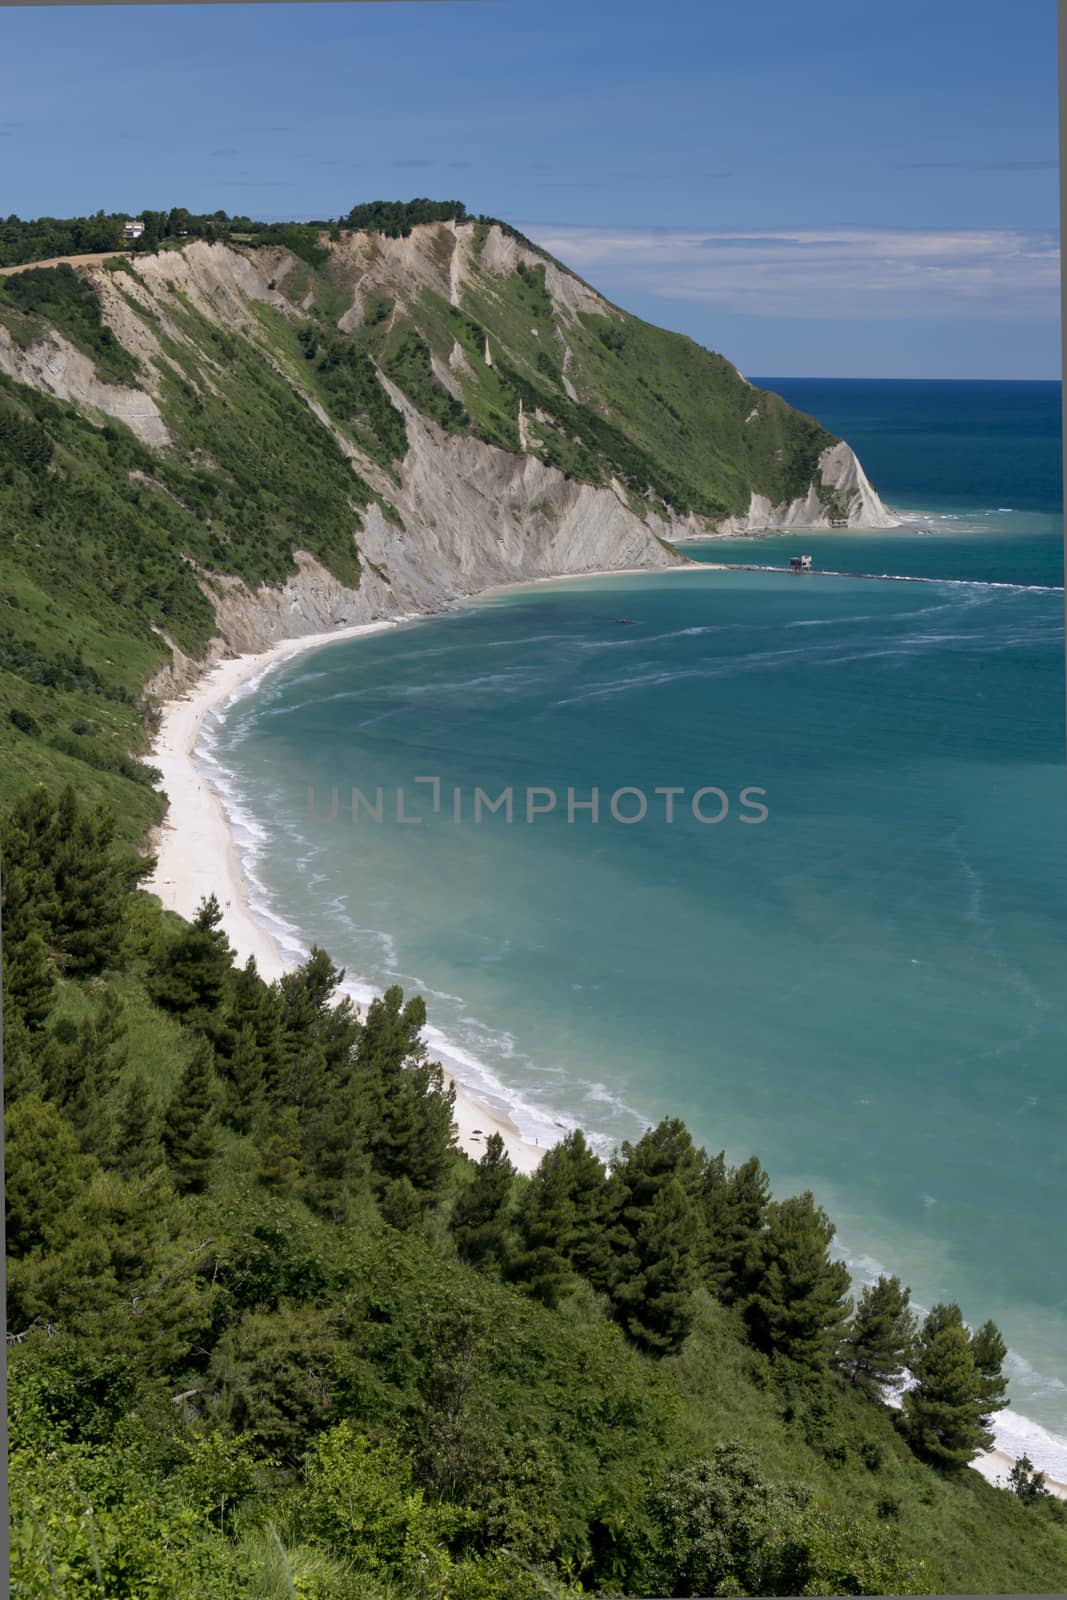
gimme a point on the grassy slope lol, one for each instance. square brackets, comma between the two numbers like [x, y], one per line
[966, 1533]
[653, 407]
[98, 535]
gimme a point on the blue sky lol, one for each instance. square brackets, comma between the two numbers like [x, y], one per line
[831, 188]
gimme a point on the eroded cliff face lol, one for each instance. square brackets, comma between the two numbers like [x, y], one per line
[472, 517]
[55, 366]
[854, 503]
[455, 514]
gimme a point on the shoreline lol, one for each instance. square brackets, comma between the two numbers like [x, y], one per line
[995, 1465]
[196, 856]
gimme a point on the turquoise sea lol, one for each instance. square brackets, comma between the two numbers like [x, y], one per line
[867, 987]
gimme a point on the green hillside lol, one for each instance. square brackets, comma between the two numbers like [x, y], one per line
[274, 1335]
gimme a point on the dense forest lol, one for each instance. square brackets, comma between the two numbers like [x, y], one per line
[271, 1334]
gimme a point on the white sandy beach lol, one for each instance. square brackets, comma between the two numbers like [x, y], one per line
[995, 1465]
[195, 854]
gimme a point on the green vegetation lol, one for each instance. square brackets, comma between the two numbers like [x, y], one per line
[666, 417]
[396, 218]
[354, 394]
[59, 296]
[102, 540]
[273, 1334]
[673, 423]
[45, 237]
[406, 359]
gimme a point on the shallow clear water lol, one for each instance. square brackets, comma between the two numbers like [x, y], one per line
[866, 988]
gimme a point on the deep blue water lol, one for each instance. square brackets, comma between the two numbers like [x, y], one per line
[867, 987]
[975, 469]
[944, 445]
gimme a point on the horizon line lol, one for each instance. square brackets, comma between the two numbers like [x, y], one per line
[858, 377]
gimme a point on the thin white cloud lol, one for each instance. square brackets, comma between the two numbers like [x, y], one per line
[840, 273]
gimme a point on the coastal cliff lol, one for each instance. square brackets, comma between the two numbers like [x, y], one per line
[216, 444]
[842, 495]
[499, 419]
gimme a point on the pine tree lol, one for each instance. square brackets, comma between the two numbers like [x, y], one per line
[653, 1235]
[652, 1296]
[1026, 1483]
[279, 1159]
[392, 1035]
[92, 882]
[541, 1272]
[29, 980]
[663, 1152]
[256, 1006]
[479, 1220]
[945, 1417]
[544, 1220]
[410, 1129]
[137, 1145]
[585, 1183]
[305, 1081]
[121, 1274]
[46, 1171]
[309, 1013]
[22, 1065]
[64, 879]
[879, 1341]
[92, 1076]
[415, 1136]
[562, 1221]
[55, 1051]
[189, 1123]
[795, 1298]
[332, 1151]
[317, 1073]
[399, 1204]
[244, 1078]
[78, 1066]
[191, 974]
[638, 1173]
[306, 1041]
[28, 847]
[989, 1351]
[735, 1205]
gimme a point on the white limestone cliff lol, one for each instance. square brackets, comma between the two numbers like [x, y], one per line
[839, 471]
[469, 515]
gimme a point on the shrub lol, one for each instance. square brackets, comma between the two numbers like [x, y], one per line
[25, 722]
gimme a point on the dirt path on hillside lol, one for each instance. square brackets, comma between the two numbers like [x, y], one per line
[60, 261]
